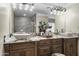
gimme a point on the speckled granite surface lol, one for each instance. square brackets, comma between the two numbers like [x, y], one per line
[38, 38]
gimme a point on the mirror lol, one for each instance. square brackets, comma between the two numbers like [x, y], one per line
[27, 24]
[28, 21]
[51, 23]
[24, 24]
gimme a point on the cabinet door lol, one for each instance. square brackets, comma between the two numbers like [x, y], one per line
[56, 46]
[23, 52]
[6, 49]
[70, 47]
[74, 47]
[44, 50]
[67, 48]
[17, 53]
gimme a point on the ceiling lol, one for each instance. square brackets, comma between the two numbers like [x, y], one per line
[40, 8]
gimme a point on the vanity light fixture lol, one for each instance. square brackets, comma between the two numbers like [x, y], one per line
[28, 6]
[57, 10]
[25, 6]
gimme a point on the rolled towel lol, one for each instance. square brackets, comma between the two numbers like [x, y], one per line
[57, 54]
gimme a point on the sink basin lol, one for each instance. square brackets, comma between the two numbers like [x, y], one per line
[21, 36]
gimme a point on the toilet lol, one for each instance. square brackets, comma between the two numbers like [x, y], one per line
[57, 54]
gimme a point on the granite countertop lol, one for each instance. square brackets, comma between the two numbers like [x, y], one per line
[38, 38]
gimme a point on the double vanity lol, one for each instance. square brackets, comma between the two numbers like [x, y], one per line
[43, 46]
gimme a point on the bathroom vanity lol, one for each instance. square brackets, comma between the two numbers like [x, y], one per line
[43, 47]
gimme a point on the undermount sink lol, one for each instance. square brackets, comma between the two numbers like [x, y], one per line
[21, 35]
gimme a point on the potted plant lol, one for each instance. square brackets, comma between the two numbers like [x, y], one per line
[42, 26]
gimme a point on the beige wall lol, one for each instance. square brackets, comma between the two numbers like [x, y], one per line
[70, 20]
[5, 22]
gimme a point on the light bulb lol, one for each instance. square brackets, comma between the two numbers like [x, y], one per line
[58, 13]
[26, 7]
[31, 9]
[24, 14]
[54, 12]
[20, 4]
[21, 30]
[62, 12]
[51, 12]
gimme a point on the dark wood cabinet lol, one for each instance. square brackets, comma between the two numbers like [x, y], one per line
[70, 46]
[46, 47]
[56, 46]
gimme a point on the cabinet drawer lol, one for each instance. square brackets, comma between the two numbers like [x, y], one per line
[44, 51]
[56, 41]
[17, 46]
[44, 42]
[57, 48]
[23, 52]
